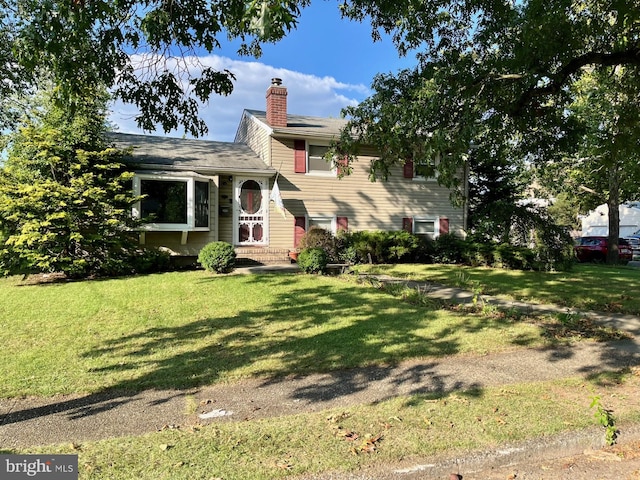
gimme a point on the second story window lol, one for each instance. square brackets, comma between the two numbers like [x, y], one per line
[317, 164]
[424, 169]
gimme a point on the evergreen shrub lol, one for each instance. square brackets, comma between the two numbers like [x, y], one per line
[313, 260]
[218, 257]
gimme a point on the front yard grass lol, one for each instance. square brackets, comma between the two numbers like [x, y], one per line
[186, 329]
[595, 287]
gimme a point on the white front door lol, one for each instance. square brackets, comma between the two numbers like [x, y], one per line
[251, 211]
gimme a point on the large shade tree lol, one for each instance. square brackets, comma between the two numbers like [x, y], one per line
[512, 57]
[605, 167]
[509, 68]
[145, 51]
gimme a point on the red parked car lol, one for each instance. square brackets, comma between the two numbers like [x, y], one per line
[594, 249]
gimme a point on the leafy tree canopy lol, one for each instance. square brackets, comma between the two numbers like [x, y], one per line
[146, 51]
[486, 64]
[65, 199]
[605, 167]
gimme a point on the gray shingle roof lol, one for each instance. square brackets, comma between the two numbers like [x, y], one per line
[304, 125]
[203, 156]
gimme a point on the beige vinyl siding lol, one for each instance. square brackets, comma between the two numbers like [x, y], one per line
[225, 221]
[368, 205]
[256, 136]
[171, 241]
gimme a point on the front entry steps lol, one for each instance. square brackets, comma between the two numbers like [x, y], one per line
[247, 256]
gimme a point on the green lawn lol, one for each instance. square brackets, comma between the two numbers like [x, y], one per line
[586, 286]
[185, 329]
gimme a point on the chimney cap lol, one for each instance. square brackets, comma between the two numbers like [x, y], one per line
[276, 81]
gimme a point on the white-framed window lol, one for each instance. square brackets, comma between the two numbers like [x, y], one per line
[426, 226]
[327, 223]
[316, 163]
[172, 203]
[425, 169]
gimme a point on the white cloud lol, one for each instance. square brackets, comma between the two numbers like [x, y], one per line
[307, 95]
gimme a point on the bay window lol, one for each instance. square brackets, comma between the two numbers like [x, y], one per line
[172, 203]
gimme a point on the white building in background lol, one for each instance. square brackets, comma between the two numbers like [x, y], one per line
[596, 222]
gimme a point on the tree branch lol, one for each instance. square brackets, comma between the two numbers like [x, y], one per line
[631, 56]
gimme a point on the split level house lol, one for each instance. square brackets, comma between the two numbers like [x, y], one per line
[203, 191]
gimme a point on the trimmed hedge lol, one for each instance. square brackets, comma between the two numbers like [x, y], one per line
[218, 257]
[313, 260]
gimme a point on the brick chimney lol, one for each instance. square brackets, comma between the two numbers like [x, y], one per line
[277, 103]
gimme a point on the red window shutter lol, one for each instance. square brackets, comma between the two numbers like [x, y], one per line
[300, 224]
[444, 225]
[407, 224]
[300, 156]
[342, 223]
[343, 166]
[407, 170]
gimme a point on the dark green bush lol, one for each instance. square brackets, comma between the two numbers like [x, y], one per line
[320, 238]
[513, 257]
[313, 260]
[478, 253]
[543, 256]
[151, 260]
[449, 248]
[218, 257]
[402, 246]
[553, 250]
[344, 246]
[377, 246]
[369, 246]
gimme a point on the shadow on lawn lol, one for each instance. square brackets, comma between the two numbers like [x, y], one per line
[369, 334]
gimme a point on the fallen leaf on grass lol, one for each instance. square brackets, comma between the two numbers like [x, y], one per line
[165, 446]
[348, 435]
[283, 464]
[338, 418]
[170, 427]
[369, 445]
[385, 425]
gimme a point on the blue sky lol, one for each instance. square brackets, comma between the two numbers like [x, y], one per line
[326, 64]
